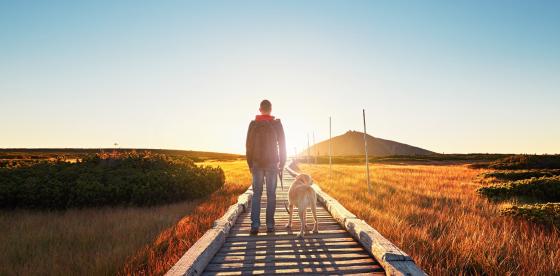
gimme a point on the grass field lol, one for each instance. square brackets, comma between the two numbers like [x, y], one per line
[111, 240]
[434, 214]
[89, 241]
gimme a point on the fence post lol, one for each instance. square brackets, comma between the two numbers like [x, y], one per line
[315, 148]
[308, 148]
[330, 150]
[365, 148]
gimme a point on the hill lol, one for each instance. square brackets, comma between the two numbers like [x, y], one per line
[352, 143]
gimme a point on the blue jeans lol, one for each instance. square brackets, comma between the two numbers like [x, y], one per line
[261, 176]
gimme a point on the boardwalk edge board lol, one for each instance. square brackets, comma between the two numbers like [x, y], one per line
[195, 260]
[392, 259]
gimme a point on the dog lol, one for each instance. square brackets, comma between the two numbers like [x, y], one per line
[302, 196]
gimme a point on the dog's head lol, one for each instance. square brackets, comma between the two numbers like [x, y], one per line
[305, 179]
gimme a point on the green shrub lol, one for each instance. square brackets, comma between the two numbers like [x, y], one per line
[544, 188]
[527, 162]
[123, 179]
[548, 213]
[519, 175]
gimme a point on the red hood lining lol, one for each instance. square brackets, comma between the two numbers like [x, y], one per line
[264, 118]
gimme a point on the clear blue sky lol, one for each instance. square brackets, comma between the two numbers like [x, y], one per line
[449, 76]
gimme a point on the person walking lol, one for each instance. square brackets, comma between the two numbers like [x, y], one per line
[266, 157]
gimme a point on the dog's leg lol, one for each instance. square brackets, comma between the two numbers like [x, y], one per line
[314, 210]
[305, 221]
[291, 212]
[302, 230]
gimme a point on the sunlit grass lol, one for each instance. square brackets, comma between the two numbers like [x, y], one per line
[434, 214]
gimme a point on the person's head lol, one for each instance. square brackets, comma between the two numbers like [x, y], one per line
[266, 107]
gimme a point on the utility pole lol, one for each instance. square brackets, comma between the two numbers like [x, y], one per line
[295, 153]
[365, 148]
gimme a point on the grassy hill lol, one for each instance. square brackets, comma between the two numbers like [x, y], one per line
[352, 143]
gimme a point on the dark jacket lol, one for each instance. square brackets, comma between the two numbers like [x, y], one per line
[263, 152]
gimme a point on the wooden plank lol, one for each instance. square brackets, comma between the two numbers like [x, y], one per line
[402, 268]
[300, 242]
[272, 267]
[199, 255]
[375, 242]
[280, 231]
[284, 230]
[325, 222]
[226, 248]
[359, 270]
[294, 251]
[285, 215]
[281, 222]
[280, 258]
[288, 237]
[295, 218]
[291, 234]
[282, 212]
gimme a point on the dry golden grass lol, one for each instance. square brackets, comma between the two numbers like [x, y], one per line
[159, 256]
[434, 214]
[92, 241]
[101, 241]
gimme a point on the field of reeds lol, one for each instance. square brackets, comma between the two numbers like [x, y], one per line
[434, 213]
[112, 240]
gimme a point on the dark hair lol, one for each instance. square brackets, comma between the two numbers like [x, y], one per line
[266, 105]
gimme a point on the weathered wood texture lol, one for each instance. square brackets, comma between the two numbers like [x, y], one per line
[392, 259]
[331, 251]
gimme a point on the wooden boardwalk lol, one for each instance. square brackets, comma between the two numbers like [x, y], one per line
[332, 251]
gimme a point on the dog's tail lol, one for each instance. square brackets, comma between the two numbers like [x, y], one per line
[287, 209]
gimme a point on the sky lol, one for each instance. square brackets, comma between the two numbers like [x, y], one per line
[448, 76]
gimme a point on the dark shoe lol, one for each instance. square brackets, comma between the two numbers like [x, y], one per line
[270, 230]
[254, 231]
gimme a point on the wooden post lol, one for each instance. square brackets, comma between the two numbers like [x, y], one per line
[308, 149]
[315, 147]
[330, 150]
[365, 148]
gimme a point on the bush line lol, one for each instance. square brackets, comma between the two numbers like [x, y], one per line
[544, 188]
[126, 179]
